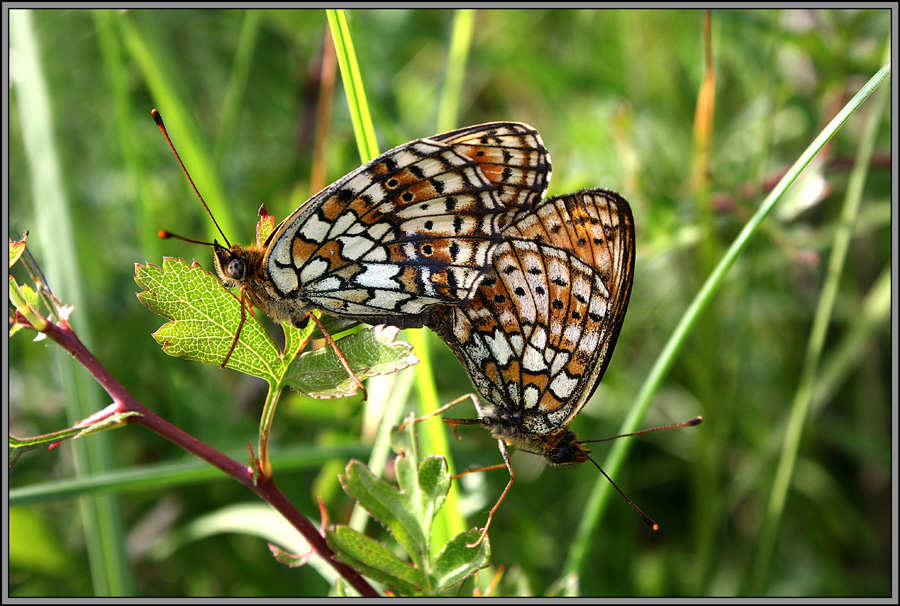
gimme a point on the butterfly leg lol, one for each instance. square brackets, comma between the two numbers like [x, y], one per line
[245, 305]
[512, 478]
[338, 353]
[443, 408]
[237, 335]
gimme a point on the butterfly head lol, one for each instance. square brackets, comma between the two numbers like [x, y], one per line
[230, 264]
[237, 264]
[564, 448]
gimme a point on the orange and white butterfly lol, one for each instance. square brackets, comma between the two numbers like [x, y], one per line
[412, 229]
[540, 331]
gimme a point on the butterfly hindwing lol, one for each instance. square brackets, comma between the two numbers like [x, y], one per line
[538, 335]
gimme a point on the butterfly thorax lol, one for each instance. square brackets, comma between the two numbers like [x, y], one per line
[242, 266]
[558, 448]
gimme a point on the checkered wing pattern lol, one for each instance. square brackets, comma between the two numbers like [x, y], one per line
[412, 229]
[539, 333]
[511, 155]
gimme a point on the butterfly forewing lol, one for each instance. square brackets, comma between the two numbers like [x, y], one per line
[511, 155]
[411, 229]
[539, 333]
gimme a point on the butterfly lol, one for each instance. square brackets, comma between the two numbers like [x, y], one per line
[412, 229]
[409, 230]
[538, 335]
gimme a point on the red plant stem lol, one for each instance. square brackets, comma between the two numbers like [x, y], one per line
[63, 334]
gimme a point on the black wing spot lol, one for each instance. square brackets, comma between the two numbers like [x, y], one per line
[417, 172]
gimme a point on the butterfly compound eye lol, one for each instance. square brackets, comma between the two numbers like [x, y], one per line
[235, 269]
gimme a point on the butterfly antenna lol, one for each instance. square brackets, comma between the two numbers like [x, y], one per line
[647, 518]
[689, 423]
[167, 234]
[159, 122]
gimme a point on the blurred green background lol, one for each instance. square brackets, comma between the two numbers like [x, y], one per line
[613, 94]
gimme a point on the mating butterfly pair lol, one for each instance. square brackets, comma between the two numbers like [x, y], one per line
[408, 238]
[449, 232]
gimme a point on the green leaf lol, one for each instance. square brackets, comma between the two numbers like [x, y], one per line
[427, 485]
[375, 561]
[456, 562]
[408, 512]
[24, 298]
[29, 294]
[26, 301]
[369, 352]
[205, 318]
[386, 504]
[433, 484]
